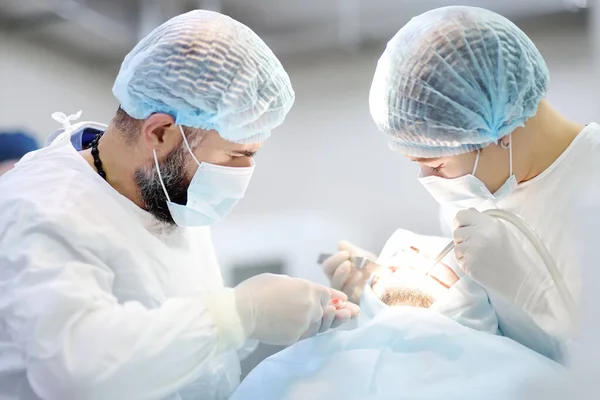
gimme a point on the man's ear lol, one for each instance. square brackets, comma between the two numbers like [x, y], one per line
[157, 132]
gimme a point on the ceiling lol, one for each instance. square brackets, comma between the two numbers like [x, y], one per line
[107, 29]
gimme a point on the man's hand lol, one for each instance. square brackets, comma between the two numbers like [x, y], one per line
[338, 312]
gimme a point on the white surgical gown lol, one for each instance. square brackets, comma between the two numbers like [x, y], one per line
[100, 301]
[549, 204]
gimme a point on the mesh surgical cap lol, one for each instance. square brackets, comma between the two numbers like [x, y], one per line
[454, 80]
[208, 71]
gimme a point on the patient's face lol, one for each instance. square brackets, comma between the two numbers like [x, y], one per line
[410, 285]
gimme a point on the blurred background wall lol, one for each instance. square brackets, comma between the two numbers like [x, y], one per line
[327, 173]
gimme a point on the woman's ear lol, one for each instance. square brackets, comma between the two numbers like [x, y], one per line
[504, 141]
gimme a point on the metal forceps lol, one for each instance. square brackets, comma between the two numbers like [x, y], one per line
[449, 247]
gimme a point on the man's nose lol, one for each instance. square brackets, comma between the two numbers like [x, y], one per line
[242, 162]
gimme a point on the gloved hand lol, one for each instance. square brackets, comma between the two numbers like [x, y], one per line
[343, 275]
[334, 315]
[280, 310]
[493, 256]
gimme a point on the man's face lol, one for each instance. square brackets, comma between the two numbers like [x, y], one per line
[411, 285]
[178, 168]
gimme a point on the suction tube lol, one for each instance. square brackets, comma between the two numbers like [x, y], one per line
[538, 245]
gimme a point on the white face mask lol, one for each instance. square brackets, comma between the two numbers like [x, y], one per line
[468, 191]
[213, 192]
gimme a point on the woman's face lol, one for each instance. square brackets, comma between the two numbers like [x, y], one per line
[493, 167]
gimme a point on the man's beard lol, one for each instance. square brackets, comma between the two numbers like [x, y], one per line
[403, 296]
[176, 183]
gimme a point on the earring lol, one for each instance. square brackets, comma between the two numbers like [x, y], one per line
[504, 146]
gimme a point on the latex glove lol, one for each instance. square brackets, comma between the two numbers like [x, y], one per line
[337, 313]
[279, 310]
[494, 257]
[343, 275]
[488, 252]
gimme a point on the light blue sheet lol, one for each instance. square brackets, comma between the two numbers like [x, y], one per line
[402, 353]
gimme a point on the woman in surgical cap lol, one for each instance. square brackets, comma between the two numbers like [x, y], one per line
[462, 92]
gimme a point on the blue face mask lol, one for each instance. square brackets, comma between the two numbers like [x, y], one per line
[213, 192]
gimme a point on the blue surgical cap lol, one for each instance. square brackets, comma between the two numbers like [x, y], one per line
[14, 145]
[454, 80]
[208, 71]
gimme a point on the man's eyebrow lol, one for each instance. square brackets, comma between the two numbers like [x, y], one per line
[424, 159]
[245, 153]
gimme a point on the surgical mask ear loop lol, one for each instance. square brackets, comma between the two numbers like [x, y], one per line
[510, 155]
[187, 145]
[476, 162]
[159, 175]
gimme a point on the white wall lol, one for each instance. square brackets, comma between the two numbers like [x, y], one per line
[327, 159]
[36, 82]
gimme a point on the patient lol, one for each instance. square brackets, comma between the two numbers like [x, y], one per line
[425, 336]
[411, 283]
[408, 280]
